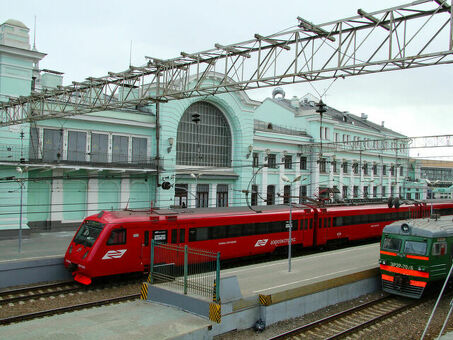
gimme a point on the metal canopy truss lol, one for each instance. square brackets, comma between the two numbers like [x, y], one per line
[400, 145]
[403, 37]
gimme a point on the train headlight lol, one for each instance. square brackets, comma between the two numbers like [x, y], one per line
[420, 268]
[381, 261]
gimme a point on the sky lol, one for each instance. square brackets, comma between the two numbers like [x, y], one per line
[90, 38]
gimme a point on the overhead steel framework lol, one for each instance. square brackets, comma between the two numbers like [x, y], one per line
[408, 36]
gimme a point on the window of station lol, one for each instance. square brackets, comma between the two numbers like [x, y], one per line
[286, 194]
[77, 142]
[270, 195]
[139, 150]
[120, 149]
[99, 147]
[255, 160]
[303, 163]
[271, 161]
[288, 162]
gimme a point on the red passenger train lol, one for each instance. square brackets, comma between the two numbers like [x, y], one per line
[118, 242]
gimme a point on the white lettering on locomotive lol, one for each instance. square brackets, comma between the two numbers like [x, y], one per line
[261, 243]
[285, 240]
[114, 254]
[400, 265]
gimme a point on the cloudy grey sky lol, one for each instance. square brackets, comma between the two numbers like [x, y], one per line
[89, 38]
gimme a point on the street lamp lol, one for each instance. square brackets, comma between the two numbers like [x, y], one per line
[21, 183]
[286, 179]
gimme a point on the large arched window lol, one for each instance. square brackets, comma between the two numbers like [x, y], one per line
[206, 143]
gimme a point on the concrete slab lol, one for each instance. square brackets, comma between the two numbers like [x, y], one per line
[132, 320]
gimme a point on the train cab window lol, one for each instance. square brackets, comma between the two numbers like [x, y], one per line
[117, 236]
[182, 234]
[392, 244]
[439, 248]
[88, 233]
[174, 236]
[415, 247]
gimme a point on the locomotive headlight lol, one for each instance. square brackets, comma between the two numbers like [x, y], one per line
[420, 268]
[381, 261]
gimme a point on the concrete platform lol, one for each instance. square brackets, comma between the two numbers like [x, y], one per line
[132, 320]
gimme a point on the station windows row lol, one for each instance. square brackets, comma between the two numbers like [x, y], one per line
[51, 145]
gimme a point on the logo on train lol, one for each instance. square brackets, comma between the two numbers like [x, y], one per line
[261, 243]
[114, 254]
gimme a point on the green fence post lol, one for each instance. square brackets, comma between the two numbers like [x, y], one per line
[151, 264]
[186, 268]
[217, 278]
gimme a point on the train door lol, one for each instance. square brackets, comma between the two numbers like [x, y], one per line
[146, 250]
[321, 228]
[306, 229]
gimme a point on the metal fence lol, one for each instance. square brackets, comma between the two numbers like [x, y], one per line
[185, 269]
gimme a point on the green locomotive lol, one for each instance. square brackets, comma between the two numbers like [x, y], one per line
[415, 253]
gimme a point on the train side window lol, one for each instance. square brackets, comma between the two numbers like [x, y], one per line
[218, 232]
[234, 230]
[249, 229]
[439, 248]
[192, 234]
[182, 234]
[117, 236]
[202, 234]
[310, 223]
[146, 240]
[174, 236]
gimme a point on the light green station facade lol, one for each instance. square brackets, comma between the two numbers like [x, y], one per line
[63, 170]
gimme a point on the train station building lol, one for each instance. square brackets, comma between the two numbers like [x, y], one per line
[223, 150]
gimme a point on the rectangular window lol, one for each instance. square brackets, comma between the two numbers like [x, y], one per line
[33, 146]
[334, 167]
[415, 247]
[365, 169]
[384, 169]
[374, 169]
[375, 191]
[288, 162]
[222, 195]
[117, 236]
[383, 191]
[355, 192]
[181, 195]
[271, 161]
[365, 192]
[391, 244]
[202, 195]
[174, 236]
[345, 191]
[303, 163]
[255, 160]
[120, 148]
[254, 200]
[322, 165]
[77, 142]
[401, 170]
[286, 194]
[355, 168]
[139, 149]
[270, 195]
[99, 147]
[52, 149]
[302, 193]
[146, 240]
[345, 167]
[392, 170]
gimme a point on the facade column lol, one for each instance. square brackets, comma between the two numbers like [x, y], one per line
[93, 195]
[56, 213]
[192, 194]
[213, 195]
[263, 190]
[281, 185]
[125, 192]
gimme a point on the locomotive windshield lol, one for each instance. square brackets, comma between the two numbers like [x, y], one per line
[392, 244]
[88, 233]
[415, 247]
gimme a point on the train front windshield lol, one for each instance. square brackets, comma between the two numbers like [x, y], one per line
[88, 233]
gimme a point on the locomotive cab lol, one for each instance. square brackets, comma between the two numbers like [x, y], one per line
[413, 254]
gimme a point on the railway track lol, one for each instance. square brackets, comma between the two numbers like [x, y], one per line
[351, 321]
[38, 301]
